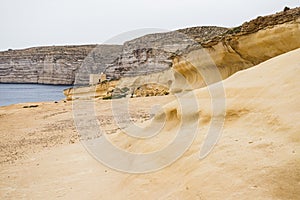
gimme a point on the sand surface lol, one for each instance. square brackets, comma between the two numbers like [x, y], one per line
[257, 156]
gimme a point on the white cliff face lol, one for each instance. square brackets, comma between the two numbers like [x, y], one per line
[45, 65]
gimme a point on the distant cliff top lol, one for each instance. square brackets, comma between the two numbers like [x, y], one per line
[68, 49]
[178, 37]
[287, 15]
[270, 20]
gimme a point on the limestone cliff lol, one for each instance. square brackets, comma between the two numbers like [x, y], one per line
[49, 65]
[73, 64]
[154, 52]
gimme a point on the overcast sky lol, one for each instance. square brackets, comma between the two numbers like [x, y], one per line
[27, 23]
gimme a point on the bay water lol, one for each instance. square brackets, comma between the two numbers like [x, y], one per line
[23, 93]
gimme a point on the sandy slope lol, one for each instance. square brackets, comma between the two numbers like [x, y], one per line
[257, 156]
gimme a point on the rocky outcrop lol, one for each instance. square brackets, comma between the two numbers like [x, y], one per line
[235, 53]
[213, 59]
[255, 25]
[240, 48]
[192, 58]
[103, 90]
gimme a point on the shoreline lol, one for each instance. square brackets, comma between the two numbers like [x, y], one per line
[46, 84]
[257, 154]
[30, 93]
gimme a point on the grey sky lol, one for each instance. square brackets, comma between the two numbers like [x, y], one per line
[27, 23]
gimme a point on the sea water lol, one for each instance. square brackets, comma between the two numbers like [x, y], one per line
[22, 93]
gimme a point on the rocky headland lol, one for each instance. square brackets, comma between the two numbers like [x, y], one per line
[161, 58]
